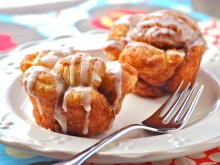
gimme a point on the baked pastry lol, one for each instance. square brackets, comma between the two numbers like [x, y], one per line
[46, 58]
[165, 47]
[70, 91]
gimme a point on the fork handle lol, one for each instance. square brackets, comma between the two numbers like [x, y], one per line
[82, 156]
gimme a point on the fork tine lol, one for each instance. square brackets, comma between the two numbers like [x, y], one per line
[169, 101]
[172, 111]
[175, 110]
[161, 111]
[185, 104]
[184, 116]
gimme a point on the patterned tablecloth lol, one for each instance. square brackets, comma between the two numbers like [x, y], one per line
[28, 23]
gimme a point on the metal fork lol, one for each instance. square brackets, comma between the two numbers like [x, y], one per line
[171, 116]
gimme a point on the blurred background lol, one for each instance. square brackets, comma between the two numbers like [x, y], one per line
[27, 20]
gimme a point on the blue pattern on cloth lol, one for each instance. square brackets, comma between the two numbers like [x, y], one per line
[7, 159]
[46, 24]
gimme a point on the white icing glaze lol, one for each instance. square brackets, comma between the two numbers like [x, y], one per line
[158, 24]
[36, 60]
[84, 68]
[114, 67]
[86, 124]
[39, 106]
[85, 91]
[24, 103]
[123, 20]
[166, 13]
[197, 40]
[61, 119]
[154, 31]
[111, 123]
[28, 82]
[72, 68]
[85, 101]
[65, 97]
[175, 52]
[96, 68]
[165, 21]
[130, 20]
[32, 73]
[52, 57]
[137, 44]
[114, 43]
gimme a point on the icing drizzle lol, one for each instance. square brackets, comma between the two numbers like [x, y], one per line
[51, 57]
[85, 86]
[85, 91]
[114, 67]
[30, 80]
[162, 28]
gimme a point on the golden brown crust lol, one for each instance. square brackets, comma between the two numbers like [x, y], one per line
[109, 89]
[100, 116]
[154, 66]
[27, 61]
[46, 58]
[113, 51]
[165, 47]
[145, 90]
[44, 119]
[74, 97]
[63, 68]
[188, 70]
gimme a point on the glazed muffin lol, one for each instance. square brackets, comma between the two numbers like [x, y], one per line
[75, 93]
[165, 48]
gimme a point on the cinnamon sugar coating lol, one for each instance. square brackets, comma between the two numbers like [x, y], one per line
[165, 47]
[71, 94]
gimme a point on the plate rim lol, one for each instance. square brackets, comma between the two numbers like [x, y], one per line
[107, 155]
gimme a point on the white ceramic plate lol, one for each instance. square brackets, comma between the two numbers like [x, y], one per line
[18, 129]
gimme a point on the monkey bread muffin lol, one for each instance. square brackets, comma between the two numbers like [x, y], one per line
[165, 47]
[73, 92]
